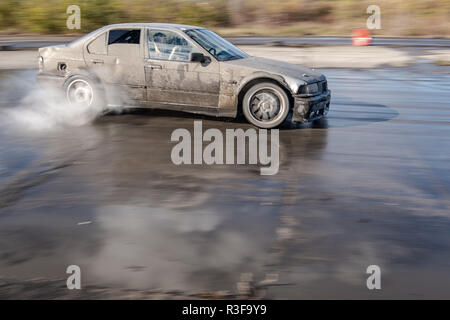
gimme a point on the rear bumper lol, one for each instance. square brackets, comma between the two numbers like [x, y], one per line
[48, 80]
[309, 109]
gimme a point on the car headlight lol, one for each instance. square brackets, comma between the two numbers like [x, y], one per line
[312, 88]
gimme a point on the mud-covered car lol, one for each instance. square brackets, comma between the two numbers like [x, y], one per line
[182, 68]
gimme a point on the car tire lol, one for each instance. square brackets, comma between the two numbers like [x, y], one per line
[84, 91]
[266, 105]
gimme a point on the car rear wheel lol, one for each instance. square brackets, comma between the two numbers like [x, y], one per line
[83, 92]
[265, 105]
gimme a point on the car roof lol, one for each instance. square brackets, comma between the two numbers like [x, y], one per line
[152, 25]
[169, 26]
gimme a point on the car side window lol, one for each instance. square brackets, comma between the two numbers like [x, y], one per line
[168, 45]
[98, 45]
[124, 36]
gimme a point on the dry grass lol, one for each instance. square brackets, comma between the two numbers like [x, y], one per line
[443, 63]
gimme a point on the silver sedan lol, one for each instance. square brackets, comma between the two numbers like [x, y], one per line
[182, 68]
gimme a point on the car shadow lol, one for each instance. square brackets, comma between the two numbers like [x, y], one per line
[342, 114]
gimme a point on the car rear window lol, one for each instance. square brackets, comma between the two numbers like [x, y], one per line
[124, 36]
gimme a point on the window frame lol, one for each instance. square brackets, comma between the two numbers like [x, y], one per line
[141, 39]
[94, 39]
[180, 34]
[124, 29]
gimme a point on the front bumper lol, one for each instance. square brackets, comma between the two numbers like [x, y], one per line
[313, 108]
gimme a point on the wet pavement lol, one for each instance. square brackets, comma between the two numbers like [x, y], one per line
[368, 186]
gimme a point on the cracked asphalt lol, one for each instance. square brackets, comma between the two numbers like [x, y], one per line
[368, 186]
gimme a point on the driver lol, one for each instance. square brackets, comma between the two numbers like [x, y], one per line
[160, 45]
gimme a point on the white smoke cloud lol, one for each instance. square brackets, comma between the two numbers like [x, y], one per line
[40, 109]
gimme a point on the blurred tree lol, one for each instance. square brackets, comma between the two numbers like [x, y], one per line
[400, 17]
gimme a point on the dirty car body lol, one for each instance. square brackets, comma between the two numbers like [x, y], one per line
[182, 68]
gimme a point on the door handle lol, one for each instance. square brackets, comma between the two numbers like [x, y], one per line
[97, 61]
[154, 66]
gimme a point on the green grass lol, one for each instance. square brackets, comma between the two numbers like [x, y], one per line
[234, 17]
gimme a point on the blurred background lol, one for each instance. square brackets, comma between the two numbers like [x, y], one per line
[370, 184]
[234, 17]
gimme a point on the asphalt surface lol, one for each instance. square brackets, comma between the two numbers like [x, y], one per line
[32, 44]
[368, 186]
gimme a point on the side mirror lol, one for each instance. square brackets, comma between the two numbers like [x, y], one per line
[198, 57]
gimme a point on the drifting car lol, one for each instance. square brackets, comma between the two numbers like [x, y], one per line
[183, 68]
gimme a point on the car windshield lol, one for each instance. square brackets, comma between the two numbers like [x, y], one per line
[221, 49]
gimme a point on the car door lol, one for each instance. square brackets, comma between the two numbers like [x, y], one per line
[117, 58]
[172, 79]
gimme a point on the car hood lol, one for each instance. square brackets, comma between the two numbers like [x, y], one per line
[280, 68]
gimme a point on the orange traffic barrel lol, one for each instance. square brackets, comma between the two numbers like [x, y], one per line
[361, 37]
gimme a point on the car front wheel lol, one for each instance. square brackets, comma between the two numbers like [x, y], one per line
[265, 105]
